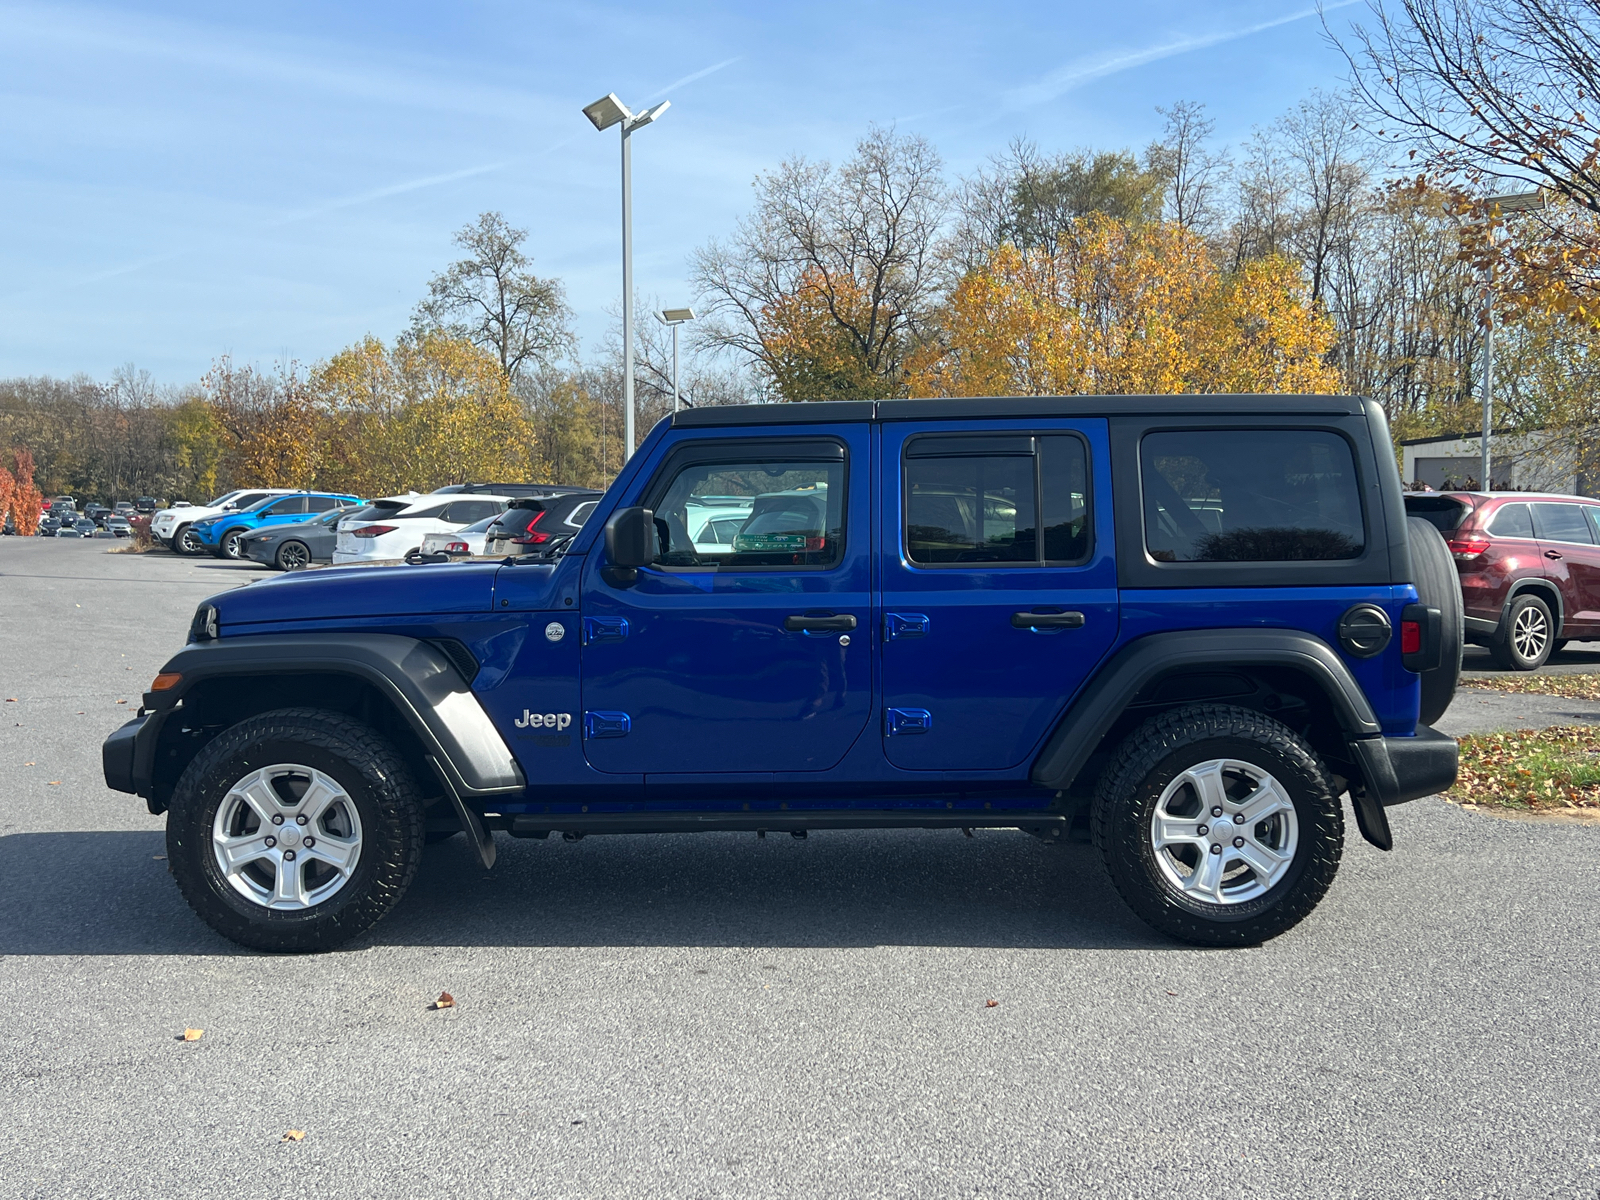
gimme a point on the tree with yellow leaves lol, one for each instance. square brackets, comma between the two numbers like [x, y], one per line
[433, 410]
[1126, 308]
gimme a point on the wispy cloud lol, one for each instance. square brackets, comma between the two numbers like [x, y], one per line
[382, 193]
[1097, 66]
[700, 74]
[311, 212]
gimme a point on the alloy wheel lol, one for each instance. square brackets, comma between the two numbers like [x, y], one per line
[189, 542]
[286, 837]
[1224, 832]
[1530, 632]
[293, 556]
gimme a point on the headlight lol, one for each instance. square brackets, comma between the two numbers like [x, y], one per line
[206, 626]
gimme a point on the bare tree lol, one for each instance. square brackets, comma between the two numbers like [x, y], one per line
[1027, 199]
[1193, 172]
[853, 254]
[1489, 87]
[493, 300]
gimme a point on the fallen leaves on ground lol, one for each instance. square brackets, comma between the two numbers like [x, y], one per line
[1570, 687]
[193, 1035]
[991, 1004]
[445, 1000]
[294, 1135]
[1557, 767]
[54, 783]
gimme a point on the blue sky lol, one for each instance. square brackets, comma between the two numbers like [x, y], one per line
[184, 180]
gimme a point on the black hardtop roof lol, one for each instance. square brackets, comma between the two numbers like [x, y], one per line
[830, 411]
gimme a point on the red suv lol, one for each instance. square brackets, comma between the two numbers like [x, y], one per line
[1529, 567]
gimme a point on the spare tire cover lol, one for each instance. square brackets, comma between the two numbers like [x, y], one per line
[1438, 586]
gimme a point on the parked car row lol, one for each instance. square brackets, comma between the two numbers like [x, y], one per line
[1529, 565]
[290, 529]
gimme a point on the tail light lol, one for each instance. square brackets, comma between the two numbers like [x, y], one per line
[1410, 637]
[530, 538]
[458, 548]
[1468, 545]
[372, 531]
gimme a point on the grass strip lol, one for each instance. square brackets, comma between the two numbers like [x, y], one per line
[1530, 768]
[1572, 687]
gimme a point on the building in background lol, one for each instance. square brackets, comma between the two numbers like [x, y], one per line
[1537, 461]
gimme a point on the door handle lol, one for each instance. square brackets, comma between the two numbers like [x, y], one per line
[1059, 620]
[814, 624]
[1552, 554]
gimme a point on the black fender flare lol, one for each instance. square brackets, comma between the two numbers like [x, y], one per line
[1091, 716]
[417, 677]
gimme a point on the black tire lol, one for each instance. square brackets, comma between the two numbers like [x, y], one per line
[1526, 637]
[228, 544]
[374, 779]
[292, 556]
[1152, 758]
[187, 541]
[1438, 586]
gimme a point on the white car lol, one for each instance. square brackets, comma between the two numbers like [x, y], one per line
[713, 524]
[170, 526]
[393, 527]
[463, 541]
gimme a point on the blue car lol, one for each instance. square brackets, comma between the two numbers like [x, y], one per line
[1198, 630]
[222, 534]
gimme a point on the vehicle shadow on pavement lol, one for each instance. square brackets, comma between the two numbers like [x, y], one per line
[1000, 888]
[110, 893]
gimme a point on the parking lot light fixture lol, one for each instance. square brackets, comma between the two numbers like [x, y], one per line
[603, 114]
[674, 317]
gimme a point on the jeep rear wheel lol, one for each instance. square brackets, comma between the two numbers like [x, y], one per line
[1218, 825]
[295, 830]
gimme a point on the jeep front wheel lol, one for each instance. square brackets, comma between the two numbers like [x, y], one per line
[1218, 825]
[295, 830]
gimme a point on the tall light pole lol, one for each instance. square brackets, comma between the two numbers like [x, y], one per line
[603, 114]
[674, 317]
[1520, 202]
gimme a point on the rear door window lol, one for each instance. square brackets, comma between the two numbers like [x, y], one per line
[1562, 523]
[1512, 521]
[1250, 495]
[322, 504]
[973, 500]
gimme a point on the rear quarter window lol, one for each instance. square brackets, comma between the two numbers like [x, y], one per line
[1250, 495]
[1444, 513]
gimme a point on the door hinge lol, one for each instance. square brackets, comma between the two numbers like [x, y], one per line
[604, 629]
[904, 625]
[899, 721]
[598, 725]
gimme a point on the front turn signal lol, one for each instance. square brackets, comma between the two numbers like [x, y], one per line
[165, 680]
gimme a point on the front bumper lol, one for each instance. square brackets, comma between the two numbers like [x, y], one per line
[119, 755]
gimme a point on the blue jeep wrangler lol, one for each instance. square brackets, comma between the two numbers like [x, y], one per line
[1183, 627]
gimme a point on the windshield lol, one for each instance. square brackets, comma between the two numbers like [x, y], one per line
[223, 499]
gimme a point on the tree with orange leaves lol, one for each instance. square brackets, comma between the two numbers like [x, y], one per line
[26, 501]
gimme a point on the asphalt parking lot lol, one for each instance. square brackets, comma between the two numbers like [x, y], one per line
[713, 1015]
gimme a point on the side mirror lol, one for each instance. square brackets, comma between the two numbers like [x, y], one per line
[630, 544]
